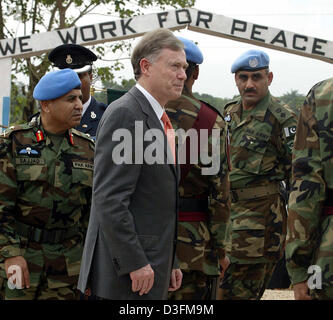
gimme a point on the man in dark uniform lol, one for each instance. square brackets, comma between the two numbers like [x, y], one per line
[80, 59]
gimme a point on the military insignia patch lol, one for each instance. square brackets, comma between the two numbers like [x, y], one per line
[83, 165]
[39, 135]
[29, 161]
[71, 139]
[227, 118]
[69, 59]
[290, 131]
[27, 150]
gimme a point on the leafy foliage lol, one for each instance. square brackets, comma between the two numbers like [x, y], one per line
[294, 99]
[216, 102]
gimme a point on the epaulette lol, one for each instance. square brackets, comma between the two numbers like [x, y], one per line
[281, 112]
[82, 134]
[231, 103]
[15, 128]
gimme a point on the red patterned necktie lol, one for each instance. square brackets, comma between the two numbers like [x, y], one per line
[170, 133]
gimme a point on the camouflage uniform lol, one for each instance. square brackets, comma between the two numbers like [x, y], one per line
[44, 207]
[261, 143]
[310, 227]
[201, 243]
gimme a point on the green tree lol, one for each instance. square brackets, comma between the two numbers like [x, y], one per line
[293, 99]
[39, 16]
[216, 102]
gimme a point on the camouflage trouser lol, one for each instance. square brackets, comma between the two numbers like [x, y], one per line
[195, 286]
[323, 260]
[53, 271]
[42, 292]
[246, 281]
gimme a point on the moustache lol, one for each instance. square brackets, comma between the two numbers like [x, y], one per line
[250, 91]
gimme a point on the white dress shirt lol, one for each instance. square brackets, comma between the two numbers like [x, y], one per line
[86, 105]
[158, 109]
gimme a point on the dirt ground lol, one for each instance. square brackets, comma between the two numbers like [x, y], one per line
[286, 294]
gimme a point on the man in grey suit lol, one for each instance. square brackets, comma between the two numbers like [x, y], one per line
[130, 244]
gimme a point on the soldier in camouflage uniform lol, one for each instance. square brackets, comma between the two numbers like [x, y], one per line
[262, 132]
[204, 203]
[46, 180]
[310, 220]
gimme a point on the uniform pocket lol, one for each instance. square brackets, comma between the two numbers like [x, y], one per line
[73, 260]
[31, 180]
[249, 153]
[82, 176]
[35, 172]
[248, 237]
[81, 180]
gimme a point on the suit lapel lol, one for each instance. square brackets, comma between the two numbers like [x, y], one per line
[154, 123]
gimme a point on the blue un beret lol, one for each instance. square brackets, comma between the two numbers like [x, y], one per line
[251, 60]
[55, 84]
[192, 51]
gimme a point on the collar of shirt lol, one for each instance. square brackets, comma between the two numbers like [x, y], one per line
[86, 105]
[158, 109]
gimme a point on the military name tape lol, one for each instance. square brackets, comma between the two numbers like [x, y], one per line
[83, 165]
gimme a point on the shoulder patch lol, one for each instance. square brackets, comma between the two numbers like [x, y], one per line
[281, 112]
[289, 131]
[230, 104]
[82, 135]
[14, 128]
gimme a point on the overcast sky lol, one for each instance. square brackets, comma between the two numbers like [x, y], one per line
[291, 72]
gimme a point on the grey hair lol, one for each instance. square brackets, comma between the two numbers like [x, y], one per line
[151, 45]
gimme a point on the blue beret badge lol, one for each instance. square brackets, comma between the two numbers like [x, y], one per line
[253, 63]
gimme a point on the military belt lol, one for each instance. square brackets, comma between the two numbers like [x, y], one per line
[193, 209]
[54, 236]
[254, 192]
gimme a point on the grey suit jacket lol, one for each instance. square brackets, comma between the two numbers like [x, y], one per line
[133, 218]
